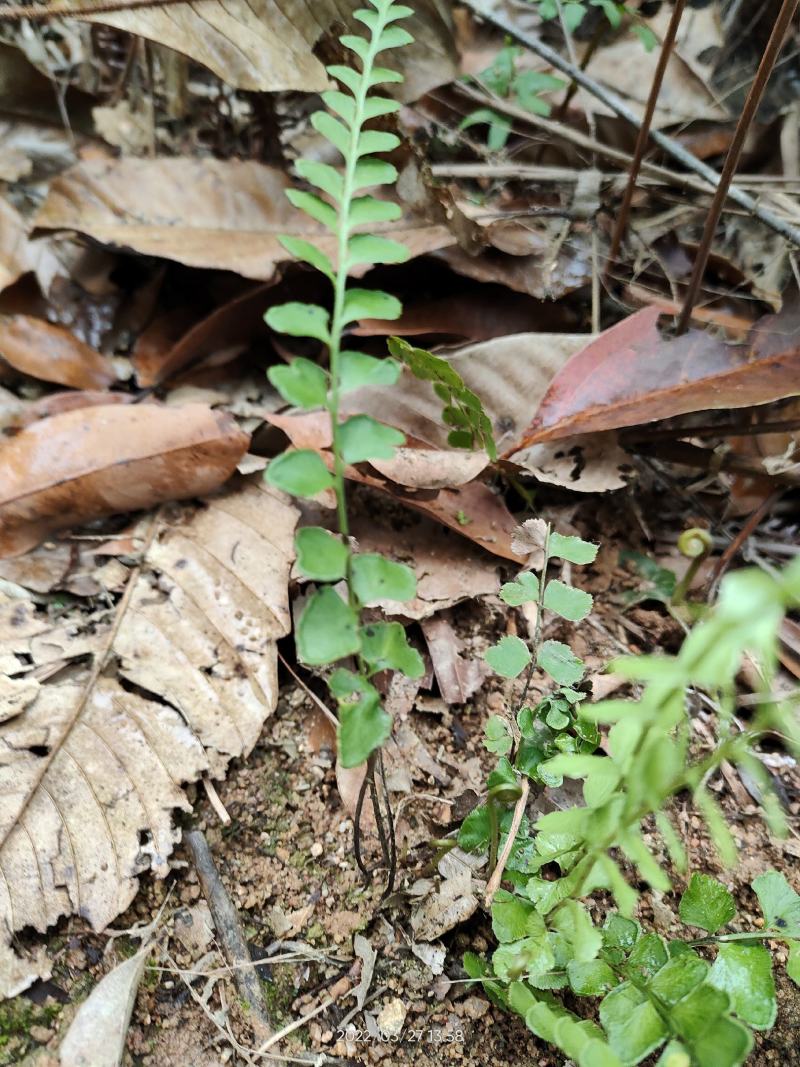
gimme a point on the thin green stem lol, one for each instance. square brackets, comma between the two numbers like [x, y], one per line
[752, 935]
[537, 630]
[340, 282]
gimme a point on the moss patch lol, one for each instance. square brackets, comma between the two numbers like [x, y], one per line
[16, 1019]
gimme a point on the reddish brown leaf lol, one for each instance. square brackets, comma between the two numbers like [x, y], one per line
[472, 510]
[632, 374]
[52, 353]
[82, 464]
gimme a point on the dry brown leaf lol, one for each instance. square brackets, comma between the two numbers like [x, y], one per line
[473, 510]
[448, 568]
[58, 403]
[458, 677]
[52, 353]
[553, 267]
[91, 772]
[159, 356]
[269, 45]
[588, 463]
[453, 902]
[14, 251]
[98, 460]
[224, 214]
[685, 94]
[431, 468]
[510, 375]
[632, 373]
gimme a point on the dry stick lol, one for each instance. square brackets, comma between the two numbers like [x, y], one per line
[519, 810]
[557, 129]
[774, 45]
[644, 130]
[619, 107]
[754, 520]
[229, 929]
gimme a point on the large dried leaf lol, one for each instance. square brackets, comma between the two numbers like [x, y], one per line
[224, 214]
[631, 374]
[509, 374]
[471, 509]
[268, 45]
[52, 353]
[90, 772]
[95, 461]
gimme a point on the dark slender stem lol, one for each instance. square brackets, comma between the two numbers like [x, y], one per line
[643, 137]
[537, 632]
[774, 45]
[366, 871]
[754, 520]
[392, 840]
[671, 433]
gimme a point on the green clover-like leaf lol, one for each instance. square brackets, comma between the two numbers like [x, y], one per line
[523, 590]
[362, 437]
[497, 737]
[570, 603]
[358, 370]
[300, 472]
[509, 657]
[384, 646]
[320, 555]
[327, 630]
[560, 662]
[744, 972]
[301, 383]
[707, 904]
[300, 320]
[573, 549]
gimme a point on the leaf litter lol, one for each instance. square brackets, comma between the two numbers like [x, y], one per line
[138, 654]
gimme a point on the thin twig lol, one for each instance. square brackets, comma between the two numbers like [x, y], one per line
[676, 150]
[644, 130]
[270, 1042]
[216, 803]
[497, 876]
[751, 104]
[754, 520]
[575, 137]
[229, 929]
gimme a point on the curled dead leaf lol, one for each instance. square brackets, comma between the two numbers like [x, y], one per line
[429, 468]
[222, 214]
[269, 45]
[52, 353]
[99, 460]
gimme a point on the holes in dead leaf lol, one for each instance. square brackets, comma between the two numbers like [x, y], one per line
[578, 458]
[147, 694]
[39, 750]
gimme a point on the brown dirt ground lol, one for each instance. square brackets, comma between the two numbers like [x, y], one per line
[286, 859]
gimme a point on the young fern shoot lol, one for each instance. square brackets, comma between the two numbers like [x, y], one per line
[331, 628]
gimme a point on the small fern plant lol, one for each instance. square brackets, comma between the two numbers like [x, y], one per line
[331, 627]
[654, 994]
